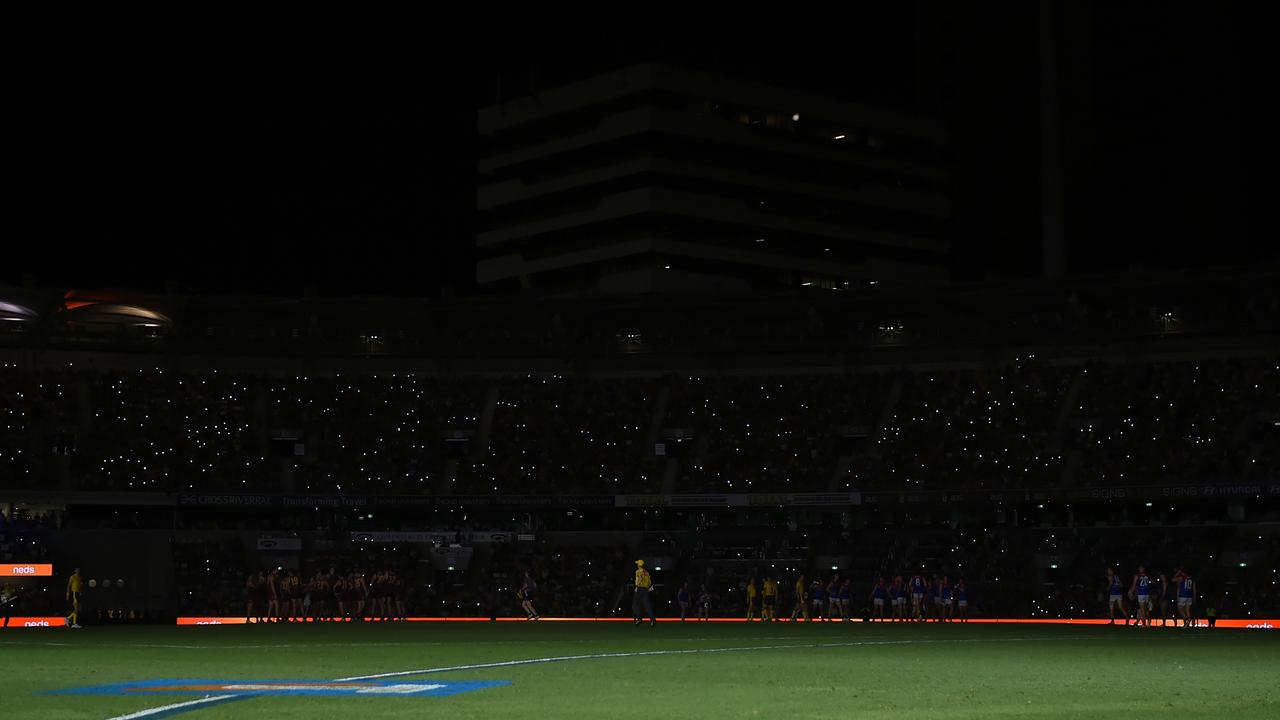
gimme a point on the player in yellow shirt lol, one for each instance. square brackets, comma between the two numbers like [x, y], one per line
[641, 605]
[769, 609]
[802, 602]
[74, 587]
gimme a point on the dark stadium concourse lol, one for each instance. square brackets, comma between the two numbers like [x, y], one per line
[946, 336]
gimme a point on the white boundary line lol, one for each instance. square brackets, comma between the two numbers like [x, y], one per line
[35, 644]
[688, 651]
[151, 712]
[594, 656]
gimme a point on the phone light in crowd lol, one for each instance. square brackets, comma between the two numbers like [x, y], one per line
[835, 567]
[1054, 566]
[795, 117]
[1148, 504]
[838, 137]
[657, 568]
[1244, 565]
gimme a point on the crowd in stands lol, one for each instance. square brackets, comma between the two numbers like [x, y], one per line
[555, 434]
[968, 428]
[1026, 424]
[17, 546]
[374, 434]
[765, 434]
[1176, 421]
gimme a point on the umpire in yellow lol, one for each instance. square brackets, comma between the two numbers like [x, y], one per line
[641, 605]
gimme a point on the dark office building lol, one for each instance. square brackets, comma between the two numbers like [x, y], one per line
[658, 179]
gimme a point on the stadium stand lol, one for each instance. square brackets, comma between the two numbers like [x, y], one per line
[1021, 437]
[1024, 424]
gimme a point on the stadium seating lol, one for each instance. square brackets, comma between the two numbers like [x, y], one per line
[1026, 424]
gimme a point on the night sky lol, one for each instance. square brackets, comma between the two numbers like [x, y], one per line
[196, 169]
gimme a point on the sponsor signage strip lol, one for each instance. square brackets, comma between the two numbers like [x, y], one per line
[1252, 624]
[435, 538]
[22, 570]
[31, 622]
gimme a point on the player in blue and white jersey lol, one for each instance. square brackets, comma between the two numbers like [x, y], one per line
[898, 598]
[1140, 590]
[916, 585]
[879, 594]
[1186, 596]
[817, 600]
[1115, 595]
[833, 597]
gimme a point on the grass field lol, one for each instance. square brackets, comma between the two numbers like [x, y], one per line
[711, 670]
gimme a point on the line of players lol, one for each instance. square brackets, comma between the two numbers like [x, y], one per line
[932, 598]
[284, 597]
[1178, 592]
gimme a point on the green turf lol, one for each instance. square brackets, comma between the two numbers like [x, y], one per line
[977, 671]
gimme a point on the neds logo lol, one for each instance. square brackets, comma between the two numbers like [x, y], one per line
[1261, 626]
[36, 623]
[24, 570]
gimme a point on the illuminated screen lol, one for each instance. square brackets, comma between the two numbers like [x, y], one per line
[26, 570]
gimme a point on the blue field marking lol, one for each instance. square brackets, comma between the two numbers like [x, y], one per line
[259, 688]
